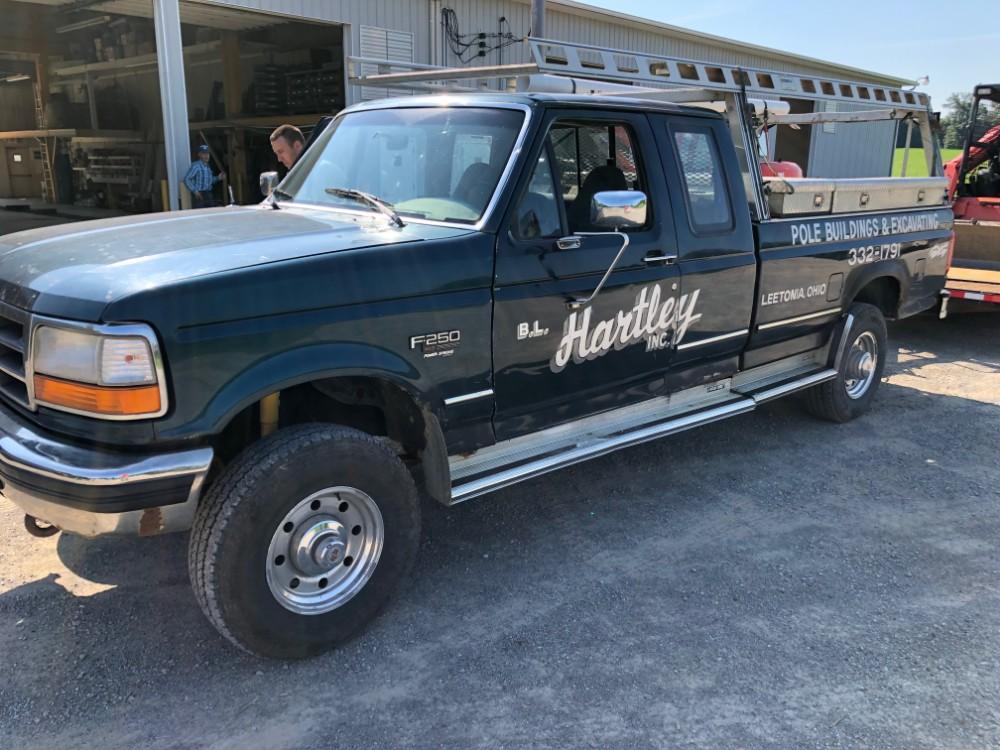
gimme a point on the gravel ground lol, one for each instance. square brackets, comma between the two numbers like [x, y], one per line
[771, 581]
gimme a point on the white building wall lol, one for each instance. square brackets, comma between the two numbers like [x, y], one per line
[866, 148]
[483, 16]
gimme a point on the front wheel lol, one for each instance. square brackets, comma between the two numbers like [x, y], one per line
[303, 539]
[849, 395]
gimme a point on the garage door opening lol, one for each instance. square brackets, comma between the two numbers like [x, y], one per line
[81, 92]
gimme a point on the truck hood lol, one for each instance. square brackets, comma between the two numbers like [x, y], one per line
[75, 270]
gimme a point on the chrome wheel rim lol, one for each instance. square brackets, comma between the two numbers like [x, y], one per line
[324, 550]
[862, 361]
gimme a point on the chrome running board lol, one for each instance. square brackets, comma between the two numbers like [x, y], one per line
[512, 461]
[591, 446]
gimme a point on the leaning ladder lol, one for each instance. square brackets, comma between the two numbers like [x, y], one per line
[48, 183]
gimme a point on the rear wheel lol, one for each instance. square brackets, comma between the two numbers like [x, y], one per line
[303, 539]
[849, 395]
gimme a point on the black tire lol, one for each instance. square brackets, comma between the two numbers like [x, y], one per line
[236, 519]
[831, 400]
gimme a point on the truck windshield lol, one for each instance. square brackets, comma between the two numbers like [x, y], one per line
[436, 163]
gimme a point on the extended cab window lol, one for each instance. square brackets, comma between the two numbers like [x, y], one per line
[588, 158]
[435, 163]
[704, 180]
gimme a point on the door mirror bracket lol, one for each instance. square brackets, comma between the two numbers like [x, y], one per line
[616, 210]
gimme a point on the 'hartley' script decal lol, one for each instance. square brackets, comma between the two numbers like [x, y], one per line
[650, 319]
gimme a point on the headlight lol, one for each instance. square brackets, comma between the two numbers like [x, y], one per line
[101, 373]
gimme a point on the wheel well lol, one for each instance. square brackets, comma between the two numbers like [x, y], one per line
[369, 404]
[883, 293]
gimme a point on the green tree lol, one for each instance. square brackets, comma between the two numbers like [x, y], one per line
[955, 124]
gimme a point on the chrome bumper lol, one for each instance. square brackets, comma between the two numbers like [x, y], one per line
[91, 491]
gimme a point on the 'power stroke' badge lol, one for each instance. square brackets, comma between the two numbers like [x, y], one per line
[440, 344]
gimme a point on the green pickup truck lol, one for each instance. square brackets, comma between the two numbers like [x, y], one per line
[445, 296]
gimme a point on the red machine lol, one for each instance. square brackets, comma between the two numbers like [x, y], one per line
[974, 187]
[976, 192]
[787, 169]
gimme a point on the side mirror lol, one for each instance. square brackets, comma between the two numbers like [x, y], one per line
[615, 210]
[612, 211]
[268, 182]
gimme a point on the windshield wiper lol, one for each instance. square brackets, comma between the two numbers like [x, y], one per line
[377, 203]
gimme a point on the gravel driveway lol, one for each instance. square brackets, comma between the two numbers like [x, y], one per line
[770, 581]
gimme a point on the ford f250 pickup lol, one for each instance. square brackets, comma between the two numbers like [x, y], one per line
[445, 296]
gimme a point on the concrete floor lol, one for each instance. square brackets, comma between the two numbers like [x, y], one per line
[17, 215]
[771, 581]
[19, 221]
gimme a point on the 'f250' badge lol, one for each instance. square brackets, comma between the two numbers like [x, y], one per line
[659, 322]
[440, 344]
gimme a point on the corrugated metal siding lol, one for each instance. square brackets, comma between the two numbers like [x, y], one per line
[400, 15]
[385, 44]
[865, 150]
[853, 149]
[483, 15]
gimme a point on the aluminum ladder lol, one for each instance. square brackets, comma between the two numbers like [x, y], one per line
[48, 182]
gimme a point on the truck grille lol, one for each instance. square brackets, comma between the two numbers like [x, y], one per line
[13, 345]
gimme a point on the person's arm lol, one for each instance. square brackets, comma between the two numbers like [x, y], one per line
[189, 179]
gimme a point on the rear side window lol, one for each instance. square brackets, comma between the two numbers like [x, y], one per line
[706, 196]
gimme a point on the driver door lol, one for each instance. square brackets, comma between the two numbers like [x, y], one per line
[553, 364]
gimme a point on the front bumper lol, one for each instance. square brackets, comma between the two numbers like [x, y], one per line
[91, 491]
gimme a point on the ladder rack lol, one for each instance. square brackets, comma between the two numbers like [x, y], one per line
[565, 58]
[645, 70]
[751, 99]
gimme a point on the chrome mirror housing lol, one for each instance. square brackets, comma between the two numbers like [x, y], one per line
[618, 209]
[268, 182]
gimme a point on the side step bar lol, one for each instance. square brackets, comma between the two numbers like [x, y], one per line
[590, 445]
[599, 447]
[769, 394]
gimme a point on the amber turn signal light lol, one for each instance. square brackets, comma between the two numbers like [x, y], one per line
[96, 399]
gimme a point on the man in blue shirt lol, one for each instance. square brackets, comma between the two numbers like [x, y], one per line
[200, 180]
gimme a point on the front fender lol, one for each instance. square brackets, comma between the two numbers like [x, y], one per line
[302, 365]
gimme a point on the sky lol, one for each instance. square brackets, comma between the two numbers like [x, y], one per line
[954, 42]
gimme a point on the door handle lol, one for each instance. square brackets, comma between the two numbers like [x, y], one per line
[568, 243]
[658, 258]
